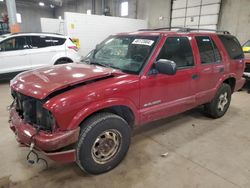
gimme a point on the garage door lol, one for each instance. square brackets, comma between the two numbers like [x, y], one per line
[195, 13]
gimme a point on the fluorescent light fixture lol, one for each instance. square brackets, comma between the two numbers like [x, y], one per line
[52, 6]
[1, 0]
[88, 12]
[124, 8]
[41, 4]
[18, 18]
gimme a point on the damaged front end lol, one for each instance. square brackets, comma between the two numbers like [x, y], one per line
[35, 126]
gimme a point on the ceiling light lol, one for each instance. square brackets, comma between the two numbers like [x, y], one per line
[41, 4]
[1, 0]
[52, 6]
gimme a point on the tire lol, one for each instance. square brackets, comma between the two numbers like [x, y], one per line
[220, 103]
[100, 133]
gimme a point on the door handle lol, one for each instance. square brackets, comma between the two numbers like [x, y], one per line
[221, 70]
[194, 76]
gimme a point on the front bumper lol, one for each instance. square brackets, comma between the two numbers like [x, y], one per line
[50, 144]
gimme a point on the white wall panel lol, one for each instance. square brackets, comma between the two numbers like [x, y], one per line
[179, 4]
[178, 13]
[92, 29]
[208, 27]
[205, 2]
[192, 3]
[192, 20]
[209, 20]
[178, 22]
[52, 25]
[193, 11]
[210, 9]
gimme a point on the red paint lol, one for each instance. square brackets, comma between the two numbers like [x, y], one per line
[176, 93]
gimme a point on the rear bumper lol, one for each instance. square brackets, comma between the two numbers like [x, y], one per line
[239, 84]
[246, 75]
[50, 144]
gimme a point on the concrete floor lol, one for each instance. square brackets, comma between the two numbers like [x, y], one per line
[201, 153]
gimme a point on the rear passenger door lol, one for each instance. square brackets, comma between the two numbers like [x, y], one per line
[42, 51]
[210, 68]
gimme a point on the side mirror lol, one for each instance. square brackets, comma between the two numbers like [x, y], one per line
[165, 66]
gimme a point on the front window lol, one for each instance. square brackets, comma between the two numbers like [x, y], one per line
[127, 53]
[17, 43]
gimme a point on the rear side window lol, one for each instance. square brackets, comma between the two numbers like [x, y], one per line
[217, 55]
[40, 41]
[177, 49]
[206, 50]
[58, 41]
[232, 46]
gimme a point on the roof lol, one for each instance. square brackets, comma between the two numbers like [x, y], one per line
[37, 33]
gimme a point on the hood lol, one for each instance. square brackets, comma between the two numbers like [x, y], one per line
[42, 82]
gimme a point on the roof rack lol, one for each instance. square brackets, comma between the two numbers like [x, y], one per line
[185, 29]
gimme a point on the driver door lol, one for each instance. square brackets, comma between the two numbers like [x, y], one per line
[164, 95]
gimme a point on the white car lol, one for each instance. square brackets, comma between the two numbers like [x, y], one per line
[24, 51]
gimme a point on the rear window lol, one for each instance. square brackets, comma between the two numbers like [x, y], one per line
[232, 46]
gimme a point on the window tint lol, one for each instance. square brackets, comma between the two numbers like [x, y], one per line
[232, 46]
[17, 43]
[58, 41]
[40, 41]
[177, 49]
[216, 52]
[206, 49]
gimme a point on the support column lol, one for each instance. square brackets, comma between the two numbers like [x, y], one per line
[11, 8]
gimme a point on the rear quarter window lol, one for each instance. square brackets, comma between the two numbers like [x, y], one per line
[232, 46]
[58, 41]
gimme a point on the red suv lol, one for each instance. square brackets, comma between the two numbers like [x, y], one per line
[85, 112]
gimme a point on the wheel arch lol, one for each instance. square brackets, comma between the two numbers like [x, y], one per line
[231, 81]
[227, 79]
[63, 59]
[122, 108]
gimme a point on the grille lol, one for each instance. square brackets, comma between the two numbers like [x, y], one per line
[31, 111]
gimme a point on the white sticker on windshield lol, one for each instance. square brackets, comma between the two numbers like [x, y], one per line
[143, 42]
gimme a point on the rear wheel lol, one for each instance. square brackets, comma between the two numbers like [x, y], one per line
[103, 143]
[220, 103]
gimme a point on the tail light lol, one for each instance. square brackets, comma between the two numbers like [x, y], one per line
[73, 47]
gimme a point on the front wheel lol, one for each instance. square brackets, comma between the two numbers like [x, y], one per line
[220, 103]
[103, 143]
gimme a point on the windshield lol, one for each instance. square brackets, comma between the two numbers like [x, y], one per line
[127, 53]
